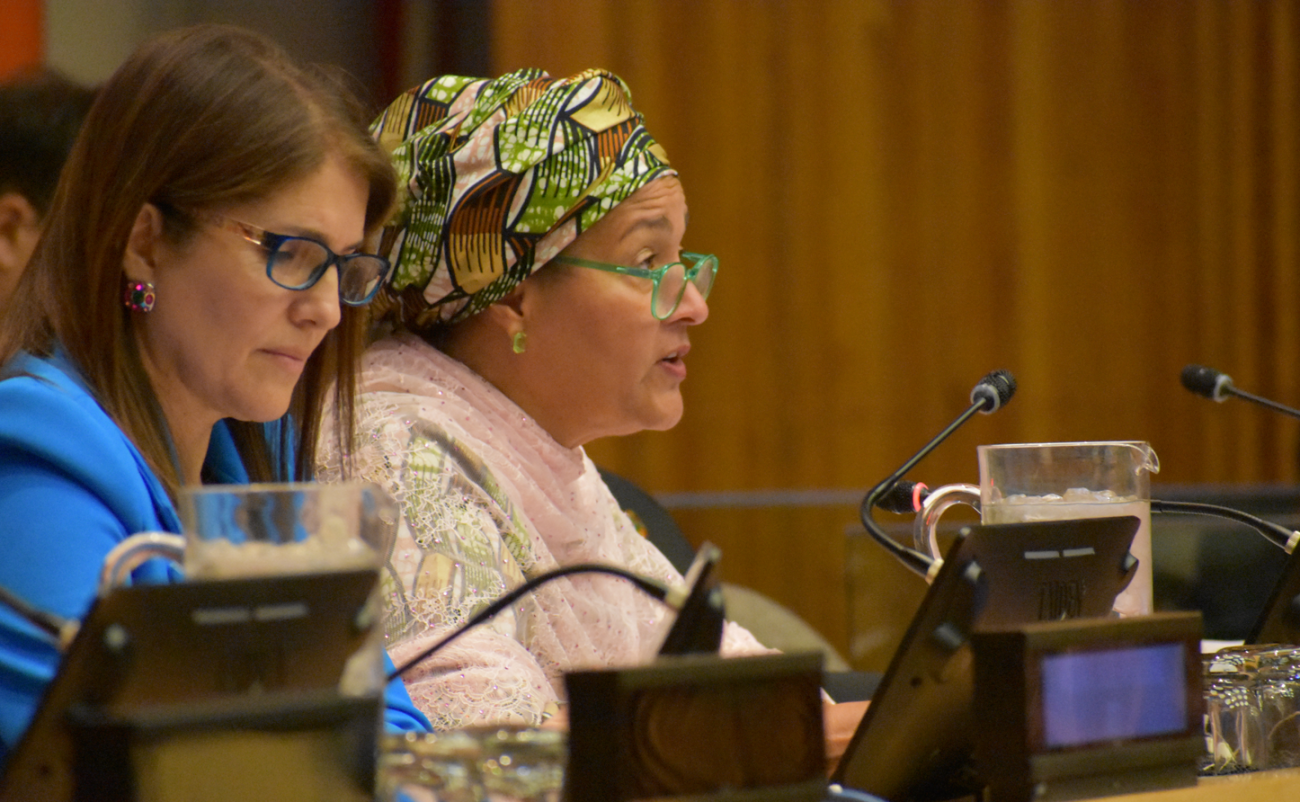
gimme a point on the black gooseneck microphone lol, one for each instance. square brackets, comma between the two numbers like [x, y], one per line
[904, 497]
[1278, 535]
[60, 630]
[992, 392]
[650, 586]
[1217, 386]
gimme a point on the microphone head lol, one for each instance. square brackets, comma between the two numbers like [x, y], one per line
[993, 391]
[904, 497]
[1207, 382]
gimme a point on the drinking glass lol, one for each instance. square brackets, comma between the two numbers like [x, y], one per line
[476, 764]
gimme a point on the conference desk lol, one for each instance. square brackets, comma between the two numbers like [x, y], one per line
[1255, 786]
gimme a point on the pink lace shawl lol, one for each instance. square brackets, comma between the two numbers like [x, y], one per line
[488, 499]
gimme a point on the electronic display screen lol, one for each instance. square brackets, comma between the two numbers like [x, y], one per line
[1091, 697]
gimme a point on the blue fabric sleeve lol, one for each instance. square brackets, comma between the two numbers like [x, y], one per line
[400, 713]
[72, 489]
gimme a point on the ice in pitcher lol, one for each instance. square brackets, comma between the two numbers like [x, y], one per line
[1084, 503]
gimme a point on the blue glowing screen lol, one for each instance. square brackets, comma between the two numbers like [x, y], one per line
[1113, 694]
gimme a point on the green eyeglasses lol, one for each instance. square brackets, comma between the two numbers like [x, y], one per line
[669, 281]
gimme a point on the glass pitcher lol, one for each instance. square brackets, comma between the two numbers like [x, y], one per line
[1056, 481]
[270, 530]
[234, 531]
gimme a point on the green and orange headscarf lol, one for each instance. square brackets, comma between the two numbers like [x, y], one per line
[500, 176]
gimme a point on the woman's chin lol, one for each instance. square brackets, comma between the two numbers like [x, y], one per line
[668, 418]
[263, 412]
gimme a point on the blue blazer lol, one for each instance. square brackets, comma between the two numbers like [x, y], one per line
[72, 486]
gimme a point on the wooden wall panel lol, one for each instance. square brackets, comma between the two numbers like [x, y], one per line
[906, 195]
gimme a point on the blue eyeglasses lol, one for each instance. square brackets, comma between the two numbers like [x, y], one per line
[669, 281]
[297, 263]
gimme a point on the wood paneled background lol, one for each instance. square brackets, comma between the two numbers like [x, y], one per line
[906, 195]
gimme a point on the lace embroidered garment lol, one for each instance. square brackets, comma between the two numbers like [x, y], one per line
[488, 499]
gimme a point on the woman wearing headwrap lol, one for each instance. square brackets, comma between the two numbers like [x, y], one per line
[540, 299]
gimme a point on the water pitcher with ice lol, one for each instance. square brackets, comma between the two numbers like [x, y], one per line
[1055, 481]
[274, 530]
[236, 531]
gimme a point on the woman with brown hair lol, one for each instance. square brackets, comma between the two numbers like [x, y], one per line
[183, 319]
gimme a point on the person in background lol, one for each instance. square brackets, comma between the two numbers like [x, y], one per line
[540, 299]
[194, 295]
[40, 114]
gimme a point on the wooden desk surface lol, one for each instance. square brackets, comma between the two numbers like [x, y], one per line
[1256, 786]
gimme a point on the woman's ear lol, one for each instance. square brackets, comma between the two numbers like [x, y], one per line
[509, 311]
[20, 225]
[484, 341]
[141, 257]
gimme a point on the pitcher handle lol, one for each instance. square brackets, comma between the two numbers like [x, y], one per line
[925, 525]
[137, 549]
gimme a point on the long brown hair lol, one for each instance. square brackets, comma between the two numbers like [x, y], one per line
[195, 119]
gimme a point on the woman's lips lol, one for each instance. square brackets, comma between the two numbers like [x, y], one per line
[674, 362]
[288, 358]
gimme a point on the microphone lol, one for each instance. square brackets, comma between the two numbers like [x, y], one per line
[904, 497]
[701, 609]
[60, 630]
[989, 395]
[993, 391]
[1278, 535]
[1217, 386]
[676, 601]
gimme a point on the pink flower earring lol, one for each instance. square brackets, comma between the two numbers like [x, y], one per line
[139, 296]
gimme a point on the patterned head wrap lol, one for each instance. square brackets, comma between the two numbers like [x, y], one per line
[500, 176]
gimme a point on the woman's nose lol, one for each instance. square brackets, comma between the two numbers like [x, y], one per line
[692, 309]
[319, 303]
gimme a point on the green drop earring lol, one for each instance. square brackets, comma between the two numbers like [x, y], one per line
[519, 342]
